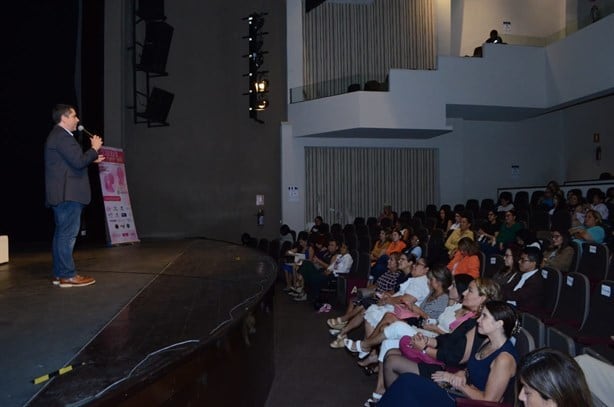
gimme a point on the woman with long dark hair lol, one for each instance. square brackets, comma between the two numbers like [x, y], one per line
[560, 254]
[548, 377]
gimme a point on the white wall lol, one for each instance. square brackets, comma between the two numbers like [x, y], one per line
[579, 124]
[530, 20]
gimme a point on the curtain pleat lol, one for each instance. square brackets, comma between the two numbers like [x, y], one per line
[343, 183]
[355, 43]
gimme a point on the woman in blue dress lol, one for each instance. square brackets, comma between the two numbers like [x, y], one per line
[490, 368]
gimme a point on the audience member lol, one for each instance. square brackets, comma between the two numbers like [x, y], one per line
[598, 375]
[548, 377]
[415, 246]
[465, 259]
[494, 38]
[463, 231]
[597, 204]
[300, 252]
[285, 235]
[511, 259]
[455, 222]
[505, 202]
[507, 233]
[444, 221]
[387, 213]
[319, 227]
[560, 254]
[396, 246]
[525, 289]
[526, 238]
[592, 231]
[379, 248]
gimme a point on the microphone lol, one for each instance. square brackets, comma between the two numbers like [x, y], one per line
[83, 129]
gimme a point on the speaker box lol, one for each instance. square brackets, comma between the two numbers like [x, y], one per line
[158, 105]
[151, 10]
[158, 37]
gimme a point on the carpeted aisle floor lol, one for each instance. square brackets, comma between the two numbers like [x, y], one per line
[307, 371]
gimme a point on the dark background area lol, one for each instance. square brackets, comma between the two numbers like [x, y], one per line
[42, 63]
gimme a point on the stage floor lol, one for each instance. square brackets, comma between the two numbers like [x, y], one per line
[147, 297]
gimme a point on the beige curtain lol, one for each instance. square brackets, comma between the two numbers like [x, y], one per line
[354, 43]
[343, 183]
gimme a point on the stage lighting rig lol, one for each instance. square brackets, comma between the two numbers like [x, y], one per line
[258, 82]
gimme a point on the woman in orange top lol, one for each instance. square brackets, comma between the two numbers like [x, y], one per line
[466, 260]
[397, 245]
[379, 248]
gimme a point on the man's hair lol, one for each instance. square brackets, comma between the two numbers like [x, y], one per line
[60, 110]
[534, 254]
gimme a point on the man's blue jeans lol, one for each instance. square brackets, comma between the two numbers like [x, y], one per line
[67, 216]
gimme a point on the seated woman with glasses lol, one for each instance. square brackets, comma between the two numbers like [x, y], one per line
[511, 259]
[560, 254]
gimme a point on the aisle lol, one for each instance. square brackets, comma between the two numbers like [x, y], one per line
[308, 371]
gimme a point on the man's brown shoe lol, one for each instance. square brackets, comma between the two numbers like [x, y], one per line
[76, 281]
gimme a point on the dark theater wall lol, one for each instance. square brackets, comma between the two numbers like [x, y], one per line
[200, 176]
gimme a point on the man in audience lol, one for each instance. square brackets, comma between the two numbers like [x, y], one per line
[463, 231]
[525, 289]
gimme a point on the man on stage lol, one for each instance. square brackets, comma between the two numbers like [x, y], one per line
[67, 191]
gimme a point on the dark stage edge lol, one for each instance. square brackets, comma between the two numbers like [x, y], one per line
[167, 323]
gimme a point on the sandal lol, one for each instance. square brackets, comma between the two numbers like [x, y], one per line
[324, 308]
[371, 359]
[370, 370]
[338, 342]
[334, 332]
[354, 347]
[373, 400]
[336, 323]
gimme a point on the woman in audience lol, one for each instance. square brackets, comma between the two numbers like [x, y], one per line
[592, 231]
[510, 266]
[507, 233]
[489, 370]
[548, 377]
[486, 235]
[505, 202]
[456, 223]
[560, 254]
[396, 246]
[300, 248]
[387, 283]
[451, 349]
[465, 260]
[379, 248]
[444, 222]
[598, 205]
[492, 226]
[415, 246]
[439, 281]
